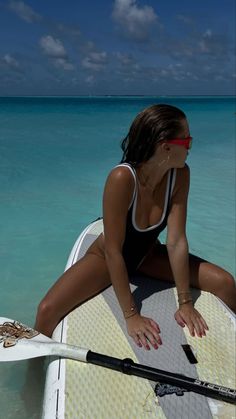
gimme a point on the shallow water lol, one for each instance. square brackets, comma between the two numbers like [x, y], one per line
[55, 154]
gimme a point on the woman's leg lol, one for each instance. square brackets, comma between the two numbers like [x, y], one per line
[82, 281]
[203, 274]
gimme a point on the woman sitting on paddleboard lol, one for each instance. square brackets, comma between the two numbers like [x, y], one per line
[145, 193]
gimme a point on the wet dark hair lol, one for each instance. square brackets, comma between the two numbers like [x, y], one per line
[152, 125]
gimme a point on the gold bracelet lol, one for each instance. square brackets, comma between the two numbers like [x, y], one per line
[185, 301]
[184, 292]
[130, 313]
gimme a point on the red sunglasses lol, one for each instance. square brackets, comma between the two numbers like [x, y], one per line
[186, 142]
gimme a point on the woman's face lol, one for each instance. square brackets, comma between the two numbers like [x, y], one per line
[179, 153]
[174, 154]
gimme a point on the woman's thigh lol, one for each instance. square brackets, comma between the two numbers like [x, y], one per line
[203, 274]
[83, 280]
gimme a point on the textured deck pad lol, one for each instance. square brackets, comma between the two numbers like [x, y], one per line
[216, 357]
[95, 392]
[216, 353]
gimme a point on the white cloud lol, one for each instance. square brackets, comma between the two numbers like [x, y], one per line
[10, 61]
[127, 65]
[98, 56]
[164, 72]
[219, 77]
[63, 63]
[125, 59]
[90, 79]
[207, 34]
[215, 46]
[176, 72]
[24, 11]
[135, 21]
[52, 47]
[95, 61]
[55, 50]
[204, 43]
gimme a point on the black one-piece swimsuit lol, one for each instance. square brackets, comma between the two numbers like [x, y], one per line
[138, 241]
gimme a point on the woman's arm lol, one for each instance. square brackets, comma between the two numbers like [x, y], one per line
[177, 244]
[117, 196]
[177, 247]
[116, 200]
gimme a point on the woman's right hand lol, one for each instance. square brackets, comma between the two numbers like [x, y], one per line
[144, 331]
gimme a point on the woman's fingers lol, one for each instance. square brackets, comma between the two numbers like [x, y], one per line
[153, 336]
[199, 324]
[137, 340]
[152, 333]
[143, 339]
[155, 325]
[193, 319]
[200, 327]
[179, 319]
[204, 323]
[191, 328]
[149, 335]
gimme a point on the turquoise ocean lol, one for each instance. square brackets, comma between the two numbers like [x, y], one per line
[55, 154]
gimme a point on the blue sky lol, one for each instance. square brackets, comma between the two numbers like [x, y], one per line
[129, 47]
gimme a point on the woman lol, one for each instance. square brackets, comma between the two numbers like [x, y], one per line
[143, 195]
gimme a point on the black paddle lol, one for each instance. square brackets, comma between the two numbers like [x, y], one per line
[19, 342]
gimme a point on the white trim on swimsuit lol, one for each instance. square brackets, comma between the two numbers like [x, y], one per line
[135, 195]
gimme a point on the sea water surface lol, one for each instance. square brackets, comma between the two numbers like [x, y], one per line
[55, 154]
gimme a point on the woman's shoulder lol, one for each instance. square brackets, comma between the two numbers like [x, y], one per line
[120, 182]
[183, 173]
[122, 173]
[182, 178]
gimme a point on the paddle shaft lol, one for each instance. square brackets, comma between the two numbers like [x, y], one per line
[18, 341]
[127, 366]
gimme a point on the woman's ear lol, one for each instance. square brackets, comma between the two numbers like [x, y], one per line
[165, 147]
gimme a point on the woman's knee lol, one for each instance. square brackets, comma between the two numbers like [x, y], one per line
[47, 318]
[46, 310]
[224, 282]
[228, 281]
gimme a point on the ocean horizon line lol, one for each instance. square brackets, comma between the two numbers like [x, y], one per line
[113, 96]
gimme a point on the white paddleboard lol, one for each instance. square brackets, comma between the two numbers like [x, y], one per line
[76, 390]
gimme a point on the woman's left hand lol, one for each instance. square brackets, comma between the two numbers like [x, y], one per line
[189, 316]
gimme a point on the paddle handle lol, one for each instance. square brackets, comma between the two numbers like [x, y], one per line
[128, 366]
[67, 351]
